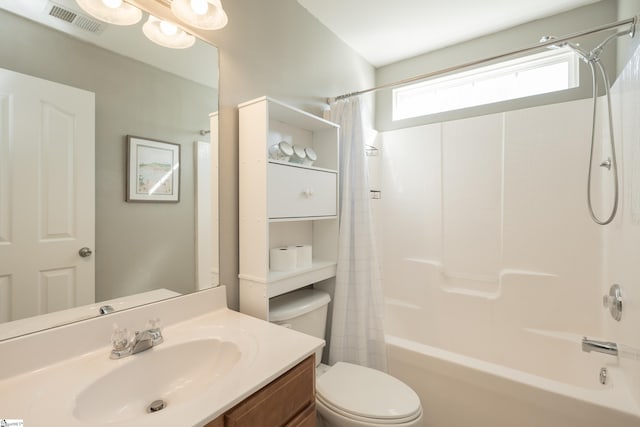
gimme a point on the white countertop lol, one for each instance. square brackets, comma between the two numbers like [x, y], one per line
[45, 394]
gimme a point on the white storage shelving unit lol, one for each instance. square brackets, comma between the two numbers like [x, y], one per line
[282, 203]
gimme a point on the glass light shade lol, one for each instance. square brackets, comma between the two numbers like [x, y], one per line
[113, 4]
[168, 29]
[199, 7]
[161, 34]
[191, 12]
[124, 14]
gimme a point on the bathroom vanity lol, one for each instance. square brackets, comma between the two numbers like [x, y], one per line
[214, 368]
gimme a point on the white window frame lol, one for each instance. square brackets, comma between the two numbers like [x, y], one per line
[464, 90]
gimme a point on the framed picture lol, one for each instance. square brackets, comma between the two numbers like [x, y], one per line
[153, 170]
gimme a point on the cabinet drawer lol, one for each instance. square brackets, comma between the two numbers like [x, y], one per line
[296, 192]
[281, 402]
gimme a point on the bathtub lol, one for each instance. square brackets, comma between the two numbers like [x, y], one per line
[491, 269]
[459, 391]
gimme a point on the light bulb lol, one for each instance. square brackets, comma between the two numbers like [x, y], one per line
[116, 12]
[167, 34]
[112, 4]
[204, 14]
[200, 7]
[167, 28]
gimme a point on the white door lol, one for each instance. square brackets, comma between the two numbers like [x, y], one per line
[46, 196]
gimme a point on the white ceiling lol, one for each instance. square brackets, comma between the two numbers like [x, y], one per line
[384, 31]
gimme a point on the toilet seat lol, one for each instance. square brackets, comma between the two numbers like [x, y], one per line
[368, 421]
[367, 395]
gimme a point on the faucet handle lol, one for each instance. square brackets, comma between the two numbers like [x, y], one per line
[120, 338]
[153, 323]
[154, 329]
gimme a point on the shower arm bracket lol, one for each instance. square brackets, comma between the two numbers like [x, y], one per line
[606, 163]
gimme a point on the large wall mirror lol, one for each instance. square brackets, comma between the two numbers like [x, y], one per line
[71, 92]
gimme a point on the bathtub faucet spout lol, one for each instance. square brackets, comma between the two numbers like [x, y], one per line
[605, 347]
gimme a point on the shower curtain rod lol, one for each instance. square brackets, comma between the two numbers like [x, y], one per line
[633, 21]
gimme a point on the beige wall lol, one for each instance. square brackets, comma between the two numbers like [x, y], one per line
[273, 48]
[529, 34]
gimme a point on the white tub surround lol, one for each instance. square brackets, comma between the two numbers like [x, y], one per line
[42, 374]
[622, 237]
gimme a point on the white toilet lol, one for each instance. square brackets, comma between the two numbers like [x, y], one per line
[347, 395]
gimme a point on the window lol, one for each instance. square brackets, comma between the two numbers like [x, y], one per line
[550, 71]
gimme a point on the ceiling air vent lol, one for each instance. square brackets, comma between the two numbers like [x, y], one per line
[88, 24]
[61, 13]
[75, 18]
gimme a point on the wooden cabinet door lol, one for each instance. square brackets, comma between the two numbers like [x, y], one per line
[280, 403]
[218, 422]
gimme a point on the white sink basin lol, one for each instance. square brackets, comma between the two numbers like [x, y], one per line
[174, 374]
[211, 359]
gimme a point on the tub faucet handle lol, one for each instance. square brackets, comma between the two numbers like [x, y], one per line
[608, 301]
[613, 301]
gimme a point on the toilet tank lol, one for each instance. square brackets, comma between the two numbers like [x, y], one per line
[303, 311]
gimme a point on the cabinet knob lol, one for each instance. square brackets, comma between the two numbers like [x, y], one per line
[307, 192]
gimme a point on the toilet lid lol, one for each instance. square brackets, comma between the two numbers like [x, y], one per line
[366, 392]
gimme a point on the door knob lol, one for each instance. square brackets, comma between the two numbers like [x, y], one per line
[85, 252]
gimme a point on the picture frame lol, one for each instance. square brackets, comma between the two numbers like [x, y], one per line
[153, 170]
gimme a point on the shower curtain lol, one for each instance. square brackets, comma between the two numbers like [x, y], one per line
[357, 333]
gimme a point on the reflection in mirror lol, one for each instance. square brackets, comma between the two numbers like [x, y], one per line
[71, 91]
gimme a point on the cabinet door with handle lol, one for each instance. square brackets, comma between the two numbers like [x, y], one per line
[296, 192]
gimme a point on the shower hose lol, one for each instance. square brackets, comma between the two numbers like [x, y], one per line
[613, 164]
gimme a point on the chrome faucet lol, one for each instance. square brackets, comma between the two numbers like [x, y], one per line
[124, 345]
[605, 347]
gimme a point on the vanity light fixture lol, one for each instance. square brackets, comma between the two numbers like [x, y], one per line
[203, 14]
[167, 34]
[114, 12]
